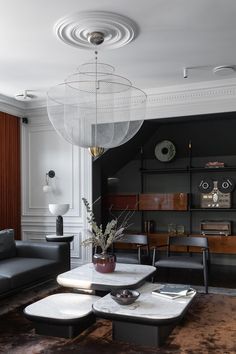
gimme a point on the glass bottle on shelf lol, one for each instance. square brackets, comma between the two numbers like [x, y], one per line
[171, 229]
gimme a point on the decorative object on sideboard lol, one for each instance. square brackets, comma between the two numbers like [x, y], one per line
[58, 210]
[171, 228]
[216, 194]
[180, 230]
[214, 227]
[94, 108]
[149, 226]
[165, 151]
[206, 185]
[163, 201]
[174, 229]
[47, 188]
[121, 201]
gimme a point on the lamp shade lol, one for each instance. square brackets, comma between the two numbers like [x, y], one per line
[58, 209]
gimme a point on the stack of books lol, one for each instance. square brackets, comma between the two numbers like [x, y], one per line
[174, 291]
[214, 164]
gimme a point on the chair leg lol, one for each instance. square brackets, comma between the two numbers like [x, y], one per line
[205, 274]
[153, 277]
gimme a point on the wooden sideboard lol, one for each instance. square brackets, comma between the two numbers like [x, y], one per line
[217, 244]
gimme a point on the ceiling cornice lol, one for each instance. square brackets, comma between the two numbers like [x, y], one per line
[191, 100]
[12, 106]
[174, 101]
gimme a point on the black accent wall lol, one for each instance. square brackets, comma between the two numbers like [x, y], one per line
[213, 138]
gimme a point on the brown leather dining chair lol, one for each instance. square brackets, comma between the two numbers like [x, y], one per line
[187, 258]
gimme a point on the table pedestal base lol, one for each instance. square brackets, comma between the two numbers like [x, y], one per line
[64, 331]
[140, 334]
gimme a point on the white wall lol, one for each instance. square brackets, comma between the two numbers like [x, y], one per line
[43, 150]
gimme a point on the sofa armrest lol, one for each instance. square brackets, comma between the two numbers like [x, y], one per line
[57, 251]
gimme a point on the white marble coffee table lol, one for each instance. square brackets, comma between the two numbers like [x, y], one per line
[125, 276]
[148, 321]
[62, 315]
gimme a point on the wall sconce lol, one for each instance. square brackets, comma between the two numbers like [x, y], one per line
[47, 188]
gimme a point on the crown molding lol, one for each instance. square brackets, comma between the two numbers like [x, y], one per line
[190, 93]
[11, 106]
[194, 99]
[172, 101]
[23, 109]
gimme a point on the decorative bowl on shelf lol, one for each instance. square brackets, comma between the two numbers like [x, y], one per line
[124, 296]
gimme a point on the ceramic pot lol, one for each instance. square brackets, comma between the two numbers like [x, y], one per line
[104, 262]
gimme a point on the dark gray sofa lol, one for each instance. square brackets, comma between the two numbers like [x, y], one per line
[24, 263]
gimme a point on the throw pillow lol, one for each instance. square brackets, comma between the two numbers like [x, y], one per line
[7, 244]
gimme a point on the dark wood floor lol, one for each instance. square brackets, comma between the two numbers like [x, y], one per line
[219, 276]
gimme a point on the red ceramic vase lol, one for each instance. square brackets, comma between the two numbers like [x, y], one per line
[104, 262]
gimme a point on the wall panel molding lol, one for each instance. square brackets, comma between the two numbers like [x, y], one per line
[42, 150]
[35, 202]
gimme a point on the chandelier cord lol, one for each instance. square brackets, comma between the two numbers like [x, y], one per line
[96, 94]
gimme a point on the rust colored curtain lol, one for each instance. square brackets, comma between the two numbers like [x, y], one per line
[10, 201]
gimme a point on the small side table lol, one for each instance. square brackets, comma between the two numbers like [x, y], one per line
[65, 238]
[62, 315]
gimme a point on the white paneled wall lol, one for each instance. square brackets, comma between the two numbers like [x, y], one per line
[43, 150]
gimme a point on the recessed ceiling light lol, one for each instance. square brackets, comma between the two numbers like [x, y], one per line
[224, 70]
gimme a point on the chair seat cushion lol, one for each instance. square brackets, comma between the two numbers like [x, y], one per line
[5, 284]
[180, 262]
[129, 258]
[21, 271]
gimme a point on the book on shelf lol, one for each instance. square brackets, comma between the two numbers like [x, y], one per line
[173, 292]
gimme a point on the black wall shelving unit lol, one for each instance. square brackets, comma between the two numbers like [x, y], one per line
[190, 171]
[212, 139]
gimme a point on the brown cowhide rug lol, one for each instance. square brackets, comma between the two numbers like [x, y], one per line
[208, 327]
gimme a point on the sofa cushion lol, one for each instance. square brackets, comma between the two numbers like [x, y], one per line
[5, 284]
[22, 271]
[7, 244]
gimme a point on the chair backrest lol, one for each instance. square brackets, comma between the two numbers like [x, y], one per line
[188, 241]
[134, 239]
[132, 248]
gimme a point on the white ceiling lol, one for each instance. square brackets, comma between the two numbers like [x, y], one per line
[172, 34]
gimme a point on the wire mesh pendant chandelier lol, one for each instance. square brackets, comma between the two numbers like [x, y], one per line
[95, 108]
